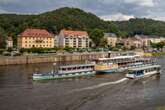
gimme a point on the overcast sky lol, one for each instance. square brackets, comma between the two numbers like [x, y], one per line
[106, 9]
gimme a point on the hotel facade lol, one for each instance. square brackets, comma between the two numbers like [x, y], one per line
[74, 39]
[35, 38]
[111, 39]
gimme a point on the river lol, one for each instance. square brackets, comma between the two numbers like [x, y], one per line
[103, 92]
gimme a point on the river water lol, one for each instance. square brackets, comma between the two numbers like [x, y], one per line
[103, 92]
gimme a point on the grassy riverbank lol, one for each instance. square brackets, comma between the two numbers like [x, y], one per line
[158, 54]
[155, 54]
[161, 108]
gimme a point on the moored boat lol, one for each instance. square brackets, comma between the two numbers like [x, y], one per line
[143, 71]
[67, 71]
[118, 64]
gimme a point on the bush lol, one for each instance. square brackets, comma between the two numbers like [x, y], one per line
[9, 49]
[69, 49]
[39, 50]
[1, 51]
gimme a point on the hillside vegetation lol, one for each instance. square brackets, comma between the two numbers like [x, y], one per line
[75, 19]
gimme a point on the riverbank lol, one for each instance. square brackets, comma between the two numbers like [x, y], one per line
[61, 57]
[158, 54]
[155, 54]
[49, 58]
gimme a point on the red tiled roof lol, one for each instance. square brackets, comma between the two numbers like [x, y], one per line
[36, 33]
[74, 33]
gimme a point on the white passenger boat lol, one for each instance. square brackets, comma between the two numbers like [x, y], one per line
[118, 64]
[67, 71]
[143, 71]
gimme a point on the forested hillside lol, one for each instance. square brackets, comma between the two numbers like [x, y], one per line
[76, 19]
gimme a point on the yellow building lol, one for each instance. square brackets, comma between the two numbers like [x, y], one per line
[111, 39]
[156, 39]
[147, 40]
[35, 38]
[132, 42]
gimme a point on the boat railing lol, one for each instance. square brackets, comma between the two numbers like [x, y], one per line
[73, 71]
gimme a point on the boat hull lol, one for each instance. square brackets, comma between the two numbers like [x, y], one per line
[105, 71]
[143, 76]
[110, 71]
[56, 77]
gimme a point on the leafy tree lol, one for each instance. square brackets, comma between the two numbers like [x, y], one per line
[97, 36]
[2, 38]
[103, 43]
[159, 45]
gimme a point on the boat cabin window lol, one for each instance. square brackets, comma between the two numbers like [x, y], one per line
[63, 69]
[131, 72]
[70, 68]
[140, 72]
[87, 67]
[78, 67]
[82, 67]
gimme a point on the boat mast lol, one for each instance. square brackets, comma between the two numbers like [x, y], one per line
[55, 68]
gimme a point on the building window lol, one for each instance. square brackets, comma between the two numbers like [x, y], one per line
[66, 44]
[79, 42]
[74, 44]
[74, 40]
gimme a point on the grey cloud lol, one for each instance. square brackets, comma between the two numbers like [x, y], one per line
[137, 8]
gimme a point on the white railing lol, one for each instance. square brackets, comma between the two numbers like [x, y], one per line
[74, 71]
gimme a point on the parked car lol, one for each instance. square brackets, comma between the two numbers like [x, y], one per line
[15, 53]
[5, 53]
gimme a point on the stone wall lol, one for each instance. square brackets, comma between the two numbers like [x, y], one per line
[8, 60]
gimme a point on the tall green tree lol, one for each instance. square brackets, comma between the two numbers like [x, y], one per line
[2, 38]
[159, 45]
[97, 35]
[103, 43]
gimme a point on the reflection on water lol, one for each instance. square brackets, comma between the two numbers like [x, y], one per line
[19, 92]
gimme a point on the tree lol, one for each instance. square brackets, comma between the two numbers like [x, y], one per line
[2, 38]
[97, 35]
[159, 45]
[103, 43]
